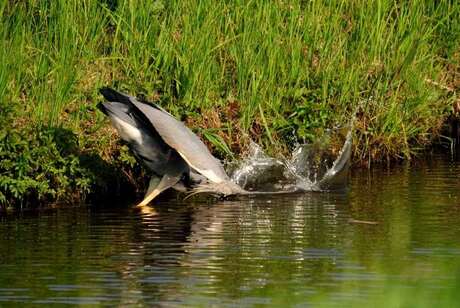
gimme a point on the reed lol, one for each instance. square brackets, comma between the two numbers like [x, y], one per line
[277, 72]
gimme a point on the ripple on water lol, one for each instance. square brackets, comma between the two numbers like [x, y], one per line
[270, 250]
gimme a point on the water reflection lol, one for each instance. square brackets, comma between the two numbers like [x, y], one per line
[295, 249]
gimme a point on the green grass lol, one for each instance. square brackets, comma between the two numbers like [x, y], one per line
[274, 71]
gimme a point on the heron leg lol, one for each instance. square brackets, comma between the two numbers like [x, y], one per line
[154, 190]
[153, 183]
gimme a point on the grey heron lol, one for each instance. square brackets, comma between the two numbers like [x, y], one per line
[169, 149]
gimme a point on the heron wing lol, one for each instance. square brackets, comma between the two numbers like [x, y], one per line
[147, 145]
[185, 142]
[179, 137]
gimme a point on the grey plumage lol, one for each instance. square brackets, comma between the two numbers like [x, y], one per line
[185, 142]
[165, 163]
[165, 146]
[146, 144]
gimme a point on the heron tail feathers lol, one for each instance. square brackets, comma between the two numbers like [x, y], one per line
[226, 188]
[202, 188]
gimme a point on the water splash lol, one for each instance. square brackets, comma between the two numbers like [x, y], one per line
[261, 172]
[336, 177]
[311, 167]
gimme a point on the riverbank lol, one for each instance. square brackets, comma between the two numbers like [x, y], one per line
[276, 73]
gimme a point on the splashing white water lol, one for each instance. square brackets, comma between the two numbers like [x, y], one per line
[311, 168]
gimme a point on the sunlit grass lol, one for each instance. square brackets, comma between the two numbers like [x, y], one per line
[292, 69]
[277, 72]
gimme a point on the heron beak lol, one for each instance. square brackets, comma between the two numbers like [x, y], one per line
[143, 205]
[147, 210]
[149, 198]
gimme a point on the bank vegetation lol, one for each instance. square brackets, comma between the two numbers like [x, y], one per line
[276, 72]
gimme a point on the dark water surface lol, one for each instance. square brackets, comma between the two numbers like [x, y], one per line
[392, 240]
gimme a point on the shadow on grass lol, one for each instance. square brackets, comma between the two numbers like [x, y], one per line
[44, 166]
[111, 181]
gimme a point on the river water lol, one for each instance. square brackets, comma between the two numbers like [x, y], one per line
[391, 240]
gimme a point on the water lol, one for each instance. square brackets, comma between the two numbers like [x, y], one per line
[391, 240]
[311, 167]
